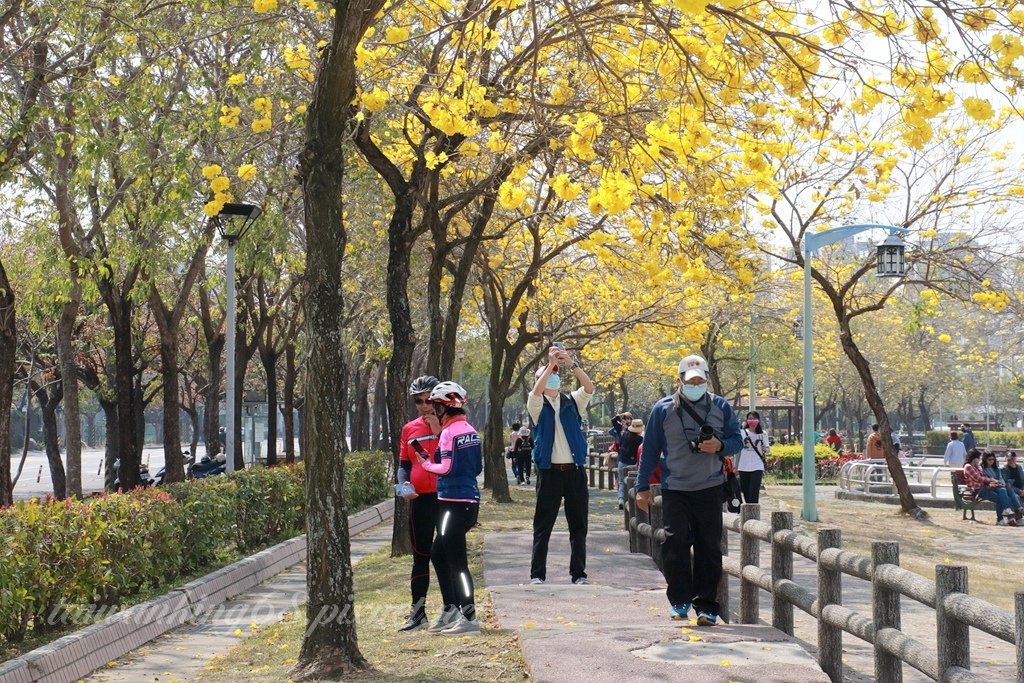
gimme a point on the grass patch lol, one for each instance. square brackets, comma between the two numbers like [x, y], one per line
[382, 595]
[943, 538]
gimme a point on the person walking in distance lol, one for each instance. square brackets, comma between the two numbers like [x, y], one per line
[457, 462]
[421, 433]
[560, 452]
[873, 447]
[689, 434]
[751, 460]
[956, 453]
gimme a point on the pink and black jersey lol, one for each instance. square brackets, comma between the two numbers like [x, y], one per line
[457, 462]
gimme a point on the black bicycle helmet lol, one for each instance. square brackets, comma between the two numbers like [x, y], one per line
[423, 384]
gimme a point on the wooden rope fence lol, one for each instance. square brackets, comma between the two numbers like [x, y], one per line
[956, 612]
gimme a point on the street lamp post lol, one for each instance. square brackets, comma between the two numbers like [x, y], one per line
[891, 263]
[233, 221]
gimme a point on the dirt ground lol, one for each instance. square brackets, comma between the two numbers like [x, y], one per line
[991, 553]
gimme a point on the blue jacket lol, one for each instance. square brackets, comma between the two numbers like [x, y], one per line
[667, 440]
[544, 432]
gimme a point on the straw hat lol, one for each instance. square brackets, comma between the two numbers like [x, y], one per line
[636, 426]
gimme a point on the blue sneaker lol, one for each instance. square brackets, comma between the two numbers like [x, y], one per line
[706, 618]
[680, 612]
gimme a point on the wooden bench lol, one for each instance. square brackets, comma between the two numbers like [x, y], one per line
[963, 497]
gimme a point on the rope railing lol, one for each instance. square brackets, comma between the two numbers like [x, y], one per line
[956, 612]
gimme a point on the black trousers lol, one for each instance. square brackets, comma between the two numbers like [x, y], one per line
[456, 521]
[525, 461]
[750, 485]
[552, 487]
[693, 519]
[424, 516]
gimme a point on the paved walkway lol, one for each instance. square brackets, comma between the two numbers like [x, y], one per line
[618, 629]
[186, 651]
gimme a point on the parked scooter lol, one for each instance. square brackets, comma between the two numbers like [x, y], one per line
[144, 478]
[187, 459]
[207, 466]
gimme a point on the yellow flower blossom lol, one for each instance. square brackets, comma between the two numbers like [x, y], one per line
[212, 171]
[247, 172]
[263, 6]
[220, 183]
[236, 79]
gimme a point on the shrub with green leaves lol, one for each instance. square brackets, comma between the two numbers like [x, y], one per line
[63, 557]
[367, 480]
[206, 519]
[1013, 440]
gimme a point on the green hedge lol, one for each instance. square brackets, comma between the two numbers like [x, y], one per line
[787, 461]
[70, 557]
[1008, 439]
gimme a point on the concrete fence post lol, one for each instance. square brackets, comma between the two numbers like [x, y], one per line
[885, 608]
[953, 639]
[750, 555]
[723, 583]
[830, 592]
[782, 568]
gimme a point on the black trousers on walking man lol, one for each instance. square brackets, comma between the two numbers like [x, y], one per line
[693, 519]
[567, 482]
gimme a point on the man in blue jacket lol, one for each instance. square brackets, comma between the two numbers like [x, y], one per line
[560, 453]
[690, 433]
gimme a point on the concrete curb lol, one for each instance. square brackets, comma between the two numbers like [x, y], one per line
[78, 654]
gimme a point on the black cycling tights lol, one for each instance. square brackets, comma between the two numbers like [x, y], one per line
[456, 520]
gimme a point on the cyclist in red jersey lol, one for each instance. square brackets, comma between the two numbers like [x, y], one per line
[424, 512]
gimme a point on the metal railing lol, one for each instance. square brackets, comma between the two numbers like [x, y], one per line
[955, 610]
[872, 476]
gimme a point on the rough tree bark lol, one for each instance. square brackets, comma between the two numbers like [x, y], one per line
[329, 647]
[168, 321]
[213, 333]
[49, 399]
[8, 348]
[289, 403]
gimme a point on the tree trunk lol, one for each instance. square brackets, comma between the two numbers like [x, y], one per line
[330, 647]
[111, 445]
[193, 418]
[378, 423]
[289, 404]
[69, 376]
[48, 402]
[270, 369]
[494, 437]
[899, 478]
[403, 340]
[925, 413]
[241, 361]
[211, 414]
[172, 412]
[361, 414]
[8, 350]
[128, 445]
[624, 388]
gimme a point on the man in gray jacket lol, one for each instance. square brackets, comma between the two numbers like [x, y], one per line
[690, 433]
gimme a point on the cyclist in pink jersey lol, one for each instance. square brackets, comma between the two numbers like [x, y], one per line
[457, 463]
[424, 513]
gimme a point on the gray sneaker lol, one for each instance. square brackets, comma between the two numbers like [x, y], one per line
[446, 620]
[536, 581]
[581, 581]
[463, 627]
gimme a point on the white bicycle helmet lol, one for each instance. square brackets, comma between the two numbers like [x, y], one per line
[448, 394]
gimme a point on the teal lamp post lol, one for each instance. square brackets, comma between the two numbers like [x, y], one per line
[891, 263]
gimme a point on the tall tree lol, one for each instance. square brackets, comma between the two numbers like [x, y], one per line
[329, 647]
